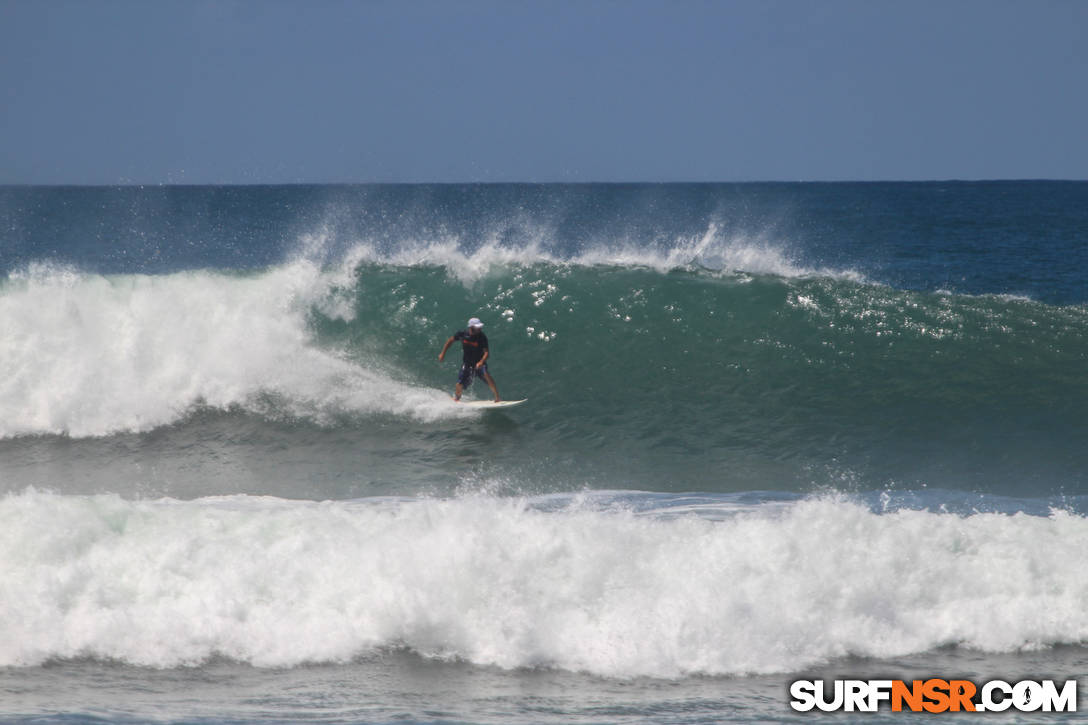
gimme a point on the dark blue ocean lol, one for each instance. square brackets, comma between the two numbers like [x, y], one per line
[773, 431]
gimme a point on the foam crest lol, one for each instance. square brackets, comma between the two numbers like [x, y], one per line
[713, 250]
[88, 355]
[506, 582]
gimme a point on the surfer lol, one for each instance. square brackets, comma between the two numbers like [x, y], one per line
[474, 358]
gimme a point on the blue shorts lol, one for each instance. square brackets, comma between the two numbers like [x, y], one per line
[468, 372]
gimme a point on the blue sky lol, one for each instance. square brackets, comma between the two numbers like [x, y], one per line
[274, 91]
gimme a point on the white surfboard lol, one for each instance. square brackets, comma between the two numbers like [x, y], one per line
[492, 403]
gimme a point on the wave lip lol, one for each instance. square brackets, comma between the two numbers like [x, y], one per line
[713, 251]
[506, 582]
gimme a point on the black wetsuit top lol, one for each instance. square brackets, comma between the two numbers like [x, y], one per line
[473, 346]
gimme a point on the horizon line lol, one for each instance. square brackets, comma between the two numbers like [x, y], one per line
[132, 184]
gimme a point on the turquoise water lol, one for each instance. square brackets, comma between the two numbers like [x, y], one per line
[770, 427]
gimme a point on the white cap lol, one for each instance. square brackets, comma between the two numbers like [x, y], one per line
[475, 322]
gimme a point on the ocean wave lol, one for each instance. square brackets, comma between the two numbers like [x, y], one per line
[520, 583]
[812, 369]
[91, 355]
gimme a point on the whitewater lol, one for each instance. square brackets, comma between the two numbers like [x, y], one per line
[95, 355]
[582, 583]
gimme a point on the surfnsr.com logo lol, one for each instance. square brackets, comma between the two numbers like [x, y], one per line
[934, 695]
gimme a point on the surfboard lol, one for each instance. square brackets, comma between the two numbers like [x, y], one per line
[492, 403]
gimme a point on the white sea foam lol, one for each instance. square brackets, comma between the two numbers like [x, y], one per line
[87, 355]
[511, 583]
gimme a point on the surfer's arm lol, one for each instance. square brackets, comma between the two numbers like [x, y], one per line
[442, 355]
[487, 354]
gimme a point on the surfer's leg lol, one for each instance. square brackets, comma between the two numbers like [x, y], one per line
[491, 384]
[457, 390]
